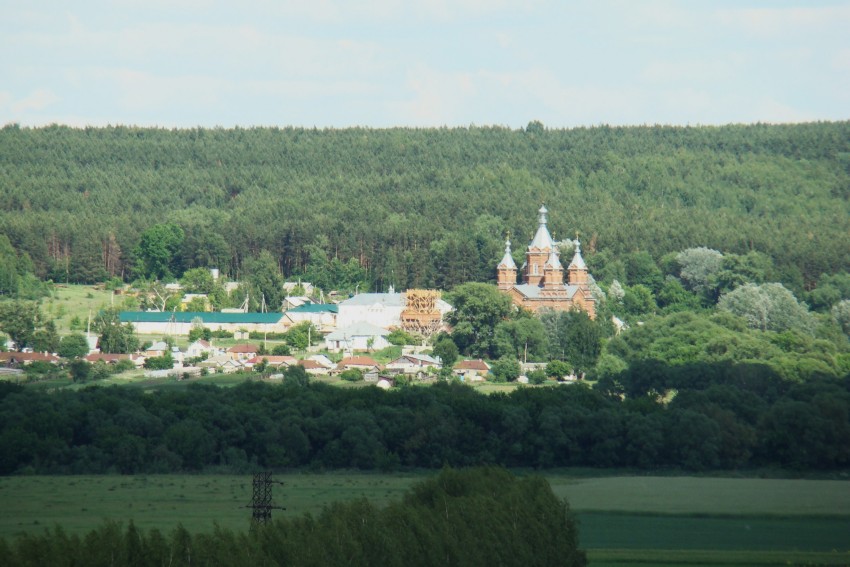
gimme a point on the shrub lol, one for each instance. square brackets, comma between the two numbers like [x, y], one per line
[351, 375]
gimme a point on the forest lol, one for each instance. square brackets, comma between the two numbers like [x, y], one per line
[724, 416]
[415, 207]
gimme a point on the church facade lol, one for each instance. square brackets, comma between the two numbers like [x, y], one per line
[543, 280]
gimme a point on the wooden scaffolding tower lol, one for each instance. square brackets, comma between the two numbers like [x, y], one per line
[421, 314]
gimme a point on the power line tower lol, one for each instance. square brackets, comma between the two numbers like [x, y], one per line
[261, 502]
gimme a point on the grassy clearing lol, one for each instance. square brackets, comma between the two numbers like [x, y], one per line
[71, 301]
[81, 503]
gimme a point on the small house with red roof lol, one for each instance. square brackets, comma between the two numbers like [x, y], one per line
[362, 363]
[471, 370]
[313, 367]
[24, 358]
[242, 352]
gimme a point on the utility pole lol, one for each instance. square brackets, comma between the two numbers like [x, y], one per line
[261, 501]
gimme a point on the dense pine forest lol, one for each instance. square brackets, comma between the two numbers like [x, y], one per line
[419, 207]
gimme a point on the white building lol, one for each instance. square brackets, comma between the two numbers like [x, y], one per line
[359, 336]
[322, 315]
[181, 322]
[414, 364]
[379, 309]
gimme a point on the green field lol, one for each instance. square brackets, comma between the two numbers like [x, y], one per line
[624, 520]
[71, 301]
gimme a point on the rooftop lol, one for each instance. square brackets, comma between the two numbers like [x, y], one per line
[357, 361]
[359, 329]
[315, 308]
[385, 299]
[205, 317]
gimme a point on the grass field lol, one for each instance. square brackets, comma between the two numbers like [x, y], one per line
[71, 301]
[624, 520]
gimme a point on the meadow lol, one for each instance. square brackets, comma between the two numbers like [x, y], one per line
[80, 301]
[624, 520]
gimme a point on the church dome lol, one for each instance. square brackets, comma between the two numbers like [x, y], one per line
[542, 239]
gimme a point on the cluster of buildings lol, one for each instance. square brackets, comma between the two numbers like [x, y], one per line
[364, 322]
[246, 357]
[361, 322]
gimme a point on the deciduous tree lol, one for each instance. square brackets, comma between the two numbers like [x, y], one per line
[768, 307]
[74, 345]
[478, 309]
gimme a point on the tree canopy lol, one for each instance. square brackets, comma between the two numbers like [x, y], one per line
[421, 207]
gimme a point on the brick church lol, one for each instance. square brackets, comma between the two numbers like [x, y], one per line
[543, 285]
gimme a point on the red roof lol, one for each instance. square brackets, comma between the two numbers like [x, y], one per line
[311, 365]
[244, 348]
[27, 357]
[357, 361]
[478, 364]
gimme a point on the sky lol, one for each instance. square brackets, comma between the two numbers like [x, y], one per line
[422, 63]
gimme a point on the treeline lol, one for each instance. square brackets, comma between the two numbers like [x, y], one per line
[460, 517]
[722, 416]
[414, 208]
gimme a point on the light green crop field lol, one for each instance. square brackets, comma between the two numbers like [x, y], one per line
[624, 520]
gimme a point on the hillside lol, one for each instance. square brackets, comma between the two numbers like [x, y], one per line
[423, 207]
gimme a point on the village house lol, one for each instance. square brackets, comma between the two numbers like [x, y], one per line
[357, 336]
[363, 363]
[415, 364]
[322, 360]
[273, 361]
[471, 370]
[314, 368]
[242, 352]
[223, 363]
[200, 348]
[158, 348]
[24, 358]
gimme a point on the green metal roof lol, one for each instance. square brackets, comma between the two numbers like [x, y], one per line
[206, 317]
[315, 308]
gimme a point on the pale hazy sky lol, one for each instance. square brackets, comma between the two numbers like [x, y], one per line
[422, 63]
